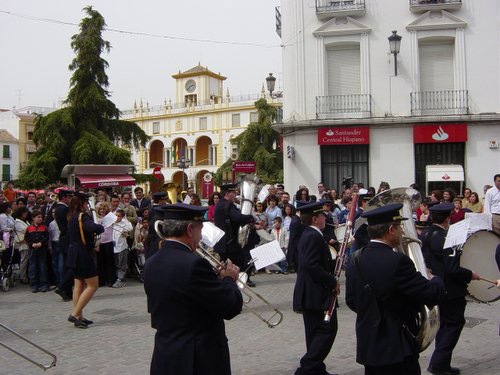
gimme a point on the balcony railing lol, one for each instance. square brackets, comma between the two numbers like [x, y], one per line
[343, 106]
[339, 8]
[425, 5]
[447, 102]
[278, 21]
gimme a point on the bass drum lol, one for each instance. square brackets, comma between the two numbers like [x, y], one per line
[340, 234]
[479, 256]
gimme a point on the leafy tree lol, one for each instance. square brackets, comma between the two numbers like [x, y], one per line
[88, 129]
[256, 144]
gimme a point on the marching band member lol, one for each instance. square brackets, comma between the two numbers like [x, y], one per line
[313, 290]
[187, 301]
[445, 263]
[385, 291]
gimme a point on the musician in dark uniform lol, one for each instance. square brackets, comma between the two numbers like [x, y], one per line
[61, 217]
[228, 218]
[81, 231]
[187, 301]
[361, 237]
[296, 229]
[445, 263]
[153, 243]
[386, 292]
[314, 289]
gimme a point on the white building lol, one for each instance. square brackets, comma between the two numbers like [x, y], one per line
[9, 157]
[346, 113]
[18, 126]
[196, 129]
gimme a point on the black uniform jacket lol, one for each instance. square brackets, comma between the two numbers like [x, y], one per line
[62, 224]
[228, 218]
[315, 279]
[386, 309]
[188, 303]
[445, 263]
[80, 254]
[296, 229]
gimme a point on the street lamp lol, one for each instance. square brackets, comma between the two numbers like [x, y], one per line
[394, 44]
[183, 164]
[271, 81]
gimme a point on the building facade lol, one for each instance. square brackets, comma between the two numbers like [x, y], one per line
[349, 113]
[19, 125]
[9, 161]
[190, 138]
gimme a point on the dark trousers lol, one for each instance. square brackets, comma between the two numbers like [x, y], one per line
[319, 340]
[67, 279]
[451, 319]
[106, 264]
[409, 366]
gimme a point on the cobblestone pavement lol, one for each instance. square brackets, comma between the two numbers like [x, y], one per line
[121, 339]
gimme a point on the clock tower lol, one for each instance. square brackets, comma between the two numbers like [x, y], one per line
[198, 86]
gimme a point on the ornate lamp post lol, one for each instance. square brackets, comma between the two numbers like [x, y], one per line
[394, 44]
[183, 164]
[270, 81]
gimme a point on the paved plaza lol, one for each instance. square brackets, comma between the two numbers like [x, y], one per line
[121, 339]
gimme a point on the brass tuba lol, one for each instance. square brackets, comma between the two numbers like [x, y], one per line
[248, 189]
[172, 189]
[428, 319]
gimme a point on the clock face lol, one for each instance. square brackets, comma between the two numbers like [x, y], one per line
[190, 85]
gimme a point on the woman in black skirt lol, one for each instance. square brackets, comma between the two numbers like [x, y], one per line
[81, 231]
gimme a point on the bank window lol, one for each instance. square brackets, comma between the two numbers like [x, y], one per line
[156, 127]
[203, 123]
[340, 162]
[235, 120]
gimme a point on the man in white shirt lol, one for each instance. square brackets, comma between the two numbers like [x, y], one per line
[121, 230]
[492, 203]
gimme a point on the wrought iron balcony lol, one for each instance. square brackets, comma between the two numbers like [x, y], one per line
[425, 5]
[343, 106]
[447, 102]
[278, 21]
[326, 9]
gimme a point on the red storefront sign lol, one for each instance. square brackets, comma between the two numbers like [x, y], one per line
[440, 133]
[344, 136]
[97, 181]
[244, 166]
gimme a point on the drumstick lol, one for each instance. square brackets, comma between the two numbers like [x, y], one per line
[488, 280]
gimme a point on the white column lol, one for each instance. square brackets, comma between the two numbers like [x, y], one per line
[320, 53]
[364, 50]
[414, 61]
[460, 71]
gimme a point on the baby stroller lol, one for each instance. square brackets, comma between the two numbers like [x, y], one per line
[136, 261]
[10, 265]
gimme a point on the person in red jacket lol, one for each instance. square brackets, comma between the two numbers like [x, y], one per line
[37, 238]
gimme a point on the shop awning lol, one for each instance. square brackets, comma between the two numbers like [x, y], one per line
[97, 181]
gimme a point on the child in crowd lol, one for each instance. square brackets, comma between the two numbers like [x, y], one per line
[37, 238]
[121, 230]
[281, 235]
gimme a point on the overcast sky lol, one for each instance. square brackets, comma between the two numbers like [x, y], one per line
[36, 54]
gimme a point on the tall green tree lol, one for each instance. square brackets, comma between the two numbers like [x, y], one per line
[88, 129]
[259, 143]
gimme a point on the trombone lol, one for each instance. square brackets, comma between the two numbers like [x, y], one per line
[275, 316]
[41, 365]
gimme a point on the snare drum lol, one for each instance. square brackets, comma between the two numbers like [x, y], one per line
[340, 234]
[479, 256]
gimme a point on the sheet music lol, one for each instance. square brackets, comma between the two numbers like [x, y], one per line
[478, 221]
[267, 254]
[457, 233]
[264, 192]
[108, 220]
[187, 199]
[211, 234]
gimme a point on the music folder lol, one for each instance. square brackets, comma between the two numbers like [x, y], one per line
[267, 254]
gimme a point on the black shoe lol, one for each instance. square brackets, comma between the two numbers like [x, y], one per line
[34, 290]
[250, 283]
[80, 324]
[450, 371]
[72, 319]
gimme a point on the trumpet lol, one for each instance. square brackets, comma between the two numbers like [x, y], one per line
[272, 316]
[41, 365]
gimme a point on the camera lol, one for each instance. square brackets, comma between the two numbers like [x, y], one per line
[347, 182]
